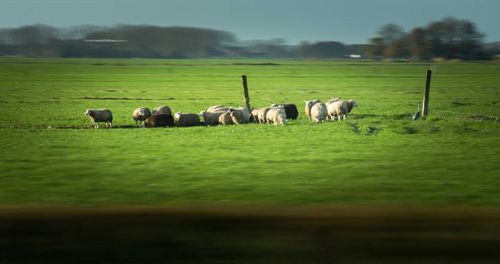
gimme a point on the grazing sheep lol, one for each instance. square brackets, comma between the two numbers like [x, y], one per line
[309, 104]
[318, 112]
[159, 120]
[290, 110]
[162, 110]
[141, 114]
[240, 115]
[100, 116]
[255, 115]
[261, 115]
[226, 118]
[276, 116]
[334, 99]
[186, 120]
[211, 115]
[340, 108]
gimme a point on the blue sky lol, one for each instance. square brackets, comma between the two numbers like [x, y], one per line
[349, 21]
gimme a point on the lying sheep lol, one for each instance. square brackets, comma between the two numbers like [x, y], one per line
[340, 108]
[261, 115]
[290, 110]
[100, 116]
[159, 120]
[141, 114]
[276, 116]
[162, 110]
[240, 115]
[308, 106]
[186, 120]
[318, 112]
[211, 115]
[226, 118]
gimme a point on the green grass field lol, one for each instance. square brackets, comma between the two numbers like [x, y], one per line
[51, 155]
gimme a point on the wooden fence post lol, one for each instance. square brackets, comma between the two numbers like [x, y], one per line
[245, 90]
[425, 105]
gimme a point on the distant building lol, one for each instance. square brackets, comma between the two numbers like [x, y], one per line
[355, 56]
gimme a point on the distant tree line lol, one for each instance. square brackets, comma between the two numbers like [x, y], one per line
[449, 38]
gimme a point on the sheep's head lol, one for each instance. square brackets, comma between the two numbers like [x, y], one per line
[145, 112]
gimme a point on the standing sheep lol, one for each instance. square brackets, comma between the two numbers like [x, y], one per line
[276, 116]
[186, 120]
[261, 115]
[255, 115]
[100, 116]
[159, 120]
[340, 108]
[141, 114]
[309, 105]
[162, 110]
[290, 110]
[318, 112]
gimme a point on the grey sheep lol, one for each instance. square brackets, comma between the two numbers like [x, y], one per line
[186, 120]
[141, 114]
[100, 116]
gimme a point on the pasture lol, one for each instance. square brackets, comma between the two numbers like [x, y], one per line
[51, 155]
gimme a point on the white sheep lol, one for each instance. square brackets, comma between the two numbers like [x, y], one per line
[100, 115]
[261, 115]
[276, 116]
[240, 115]
[318, 112]
[211, 115]
[141, 114]
[309, 105]
[340, 109]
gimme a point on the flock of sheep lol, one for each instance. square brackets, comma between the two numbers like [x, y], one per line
[276, 114]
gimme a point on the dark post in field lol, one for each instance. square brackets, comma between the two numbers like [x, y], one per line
[425, 105]
[245, 90]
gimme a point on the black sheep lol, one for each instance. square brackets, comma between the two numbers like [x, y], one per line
[159, 120]
[290, 110]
